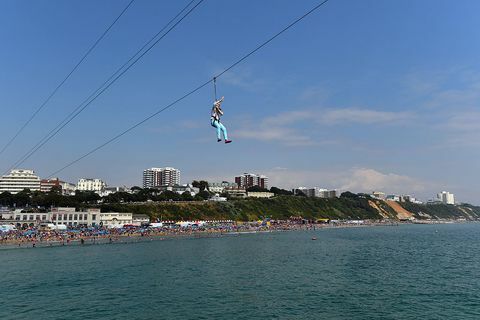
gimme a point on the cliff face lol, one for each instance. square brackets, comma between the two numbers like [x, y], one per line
[401, 212]
[283, 207]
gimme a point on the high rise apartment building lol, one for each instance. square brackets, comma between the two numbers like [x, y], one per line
[248, 180]
[446, 197]
[155, 177]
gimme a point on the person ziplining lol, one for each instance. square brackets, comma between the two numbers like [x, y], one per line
[216, 113]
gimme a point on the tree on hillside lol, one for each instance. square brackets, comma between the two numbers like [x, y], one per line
[87, 197]
[187, 196]
[22, 198]
[348, 194]
[202, 195]
[202, 185]
[56, 190]
[168, 195]
[279, 191]
[135, 189]
[6, 199]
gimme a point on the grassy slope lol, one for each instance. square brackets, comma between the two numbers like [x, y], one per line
[251, 209]
[283, 207]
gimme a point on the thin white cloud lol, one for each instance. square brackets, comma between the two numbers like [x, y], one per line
[452, 98]
[286, 127]
[455, 88]
[468, 121]
[242, 78]
[289, 117]
[315, 94]
[367, 180]
[460, 129]
[287, 136]
[361, 116]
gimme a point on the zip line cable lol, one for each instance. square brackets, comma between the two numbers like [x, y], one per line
[65, 79]
[115, 76]
[213, 80]
[110, 81]
[215, 89]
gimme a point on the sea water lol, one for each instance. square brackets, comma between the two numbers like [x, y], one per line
[404, 272]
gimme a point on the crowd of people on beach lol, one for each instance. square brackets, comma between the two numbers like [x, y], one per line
[34, 236]
[79, 235]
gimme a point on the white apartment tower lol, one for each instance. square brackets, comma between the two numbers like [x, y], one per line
[19, 179]
[86, 184]
[446, 197]
[155, 177]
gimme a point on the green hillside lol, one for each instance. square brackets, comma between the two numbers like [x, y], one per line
[282, 207]
[442, 211]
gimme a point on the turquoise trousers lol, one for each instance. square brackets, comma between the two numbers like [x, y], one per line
[220, 128]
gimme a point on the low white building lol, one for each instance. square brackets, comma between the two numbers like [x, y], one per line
[71, 217]
[140, 219]
[392, 197]
[68, 189]
[87, 184]
[260, 194]
[6, 214]
[236, 192]
[180, 189]
[219, 187]
[115, 219]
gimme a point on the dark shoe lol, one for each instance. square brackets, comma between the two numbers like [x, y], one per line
[228, 141]
[218, 140]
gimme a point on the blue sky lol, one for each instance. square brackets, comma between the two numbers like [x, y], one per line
[362, 95]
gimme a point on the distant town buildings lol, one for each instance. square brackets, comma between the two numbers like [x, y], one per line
[446, 197]
[248, 180]
[155, 177]
[378, 195]
[168, 179]
[393, 197]
[409, 198]
[65, 188]
[179, 189]
[219, 187]
[18, 180]
[315, 192]
[87, 184]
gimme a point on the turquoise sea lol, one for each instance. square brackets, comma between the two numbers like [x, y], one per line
[404, 272]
